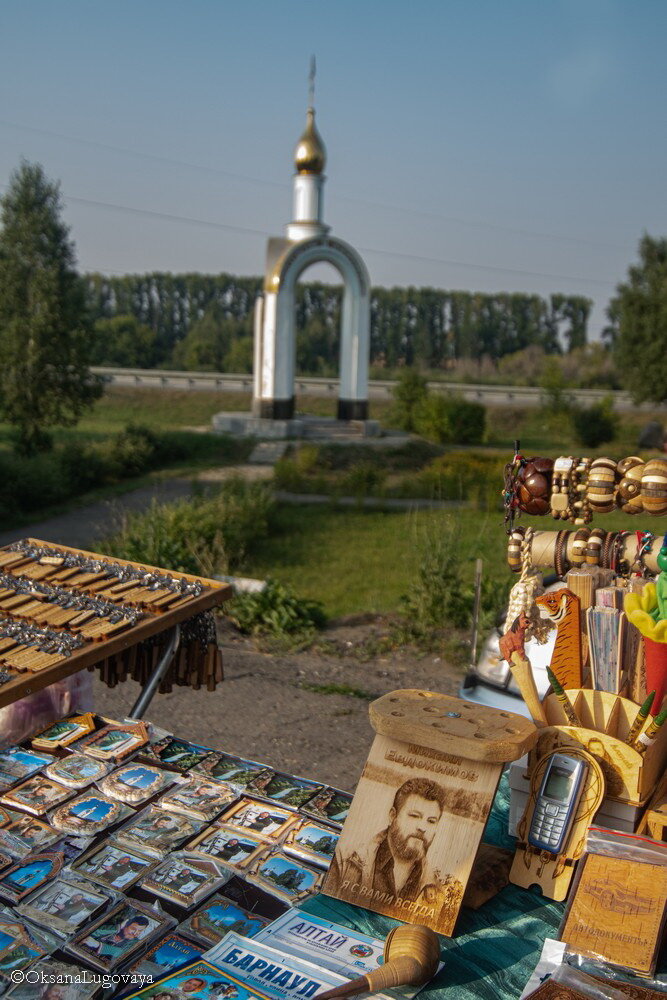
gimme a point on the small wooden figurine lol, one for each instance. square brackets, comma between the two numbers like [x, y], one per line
[512, 648]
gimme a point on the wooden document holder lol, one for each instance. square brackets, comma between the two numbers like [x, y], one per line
[421, 805]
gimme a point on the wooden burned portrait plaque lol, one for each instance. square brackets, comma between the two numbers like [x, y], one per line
[417, 818]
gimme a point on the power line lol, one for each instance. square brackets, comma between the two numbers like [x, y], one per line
[189, 220]
[247, 178]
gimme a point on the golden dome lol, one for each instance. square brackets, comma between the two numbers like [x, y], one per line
[310, 155]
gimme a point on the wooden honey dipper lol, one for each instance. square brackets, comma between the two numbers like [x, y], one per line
[411, 956]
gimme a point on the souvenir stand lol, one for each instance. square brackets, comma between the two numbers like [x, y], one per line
[131, 853]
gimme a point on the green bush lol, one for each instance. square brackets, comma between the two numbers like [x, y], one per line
[135, 450]
[442, 595]
[277, 612]
[409, 392]
[450, 420]
[205, 534]
[595, 425]
[362, 480]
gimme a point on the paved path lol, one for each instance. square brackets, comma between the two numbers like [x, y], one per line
[84, 526]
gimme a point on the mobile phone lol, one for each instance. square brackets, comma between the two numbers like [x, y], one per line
[556, 804]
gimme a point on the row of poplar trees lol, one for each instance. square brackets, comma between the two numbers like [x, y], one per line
[55, 323]
[204, 322]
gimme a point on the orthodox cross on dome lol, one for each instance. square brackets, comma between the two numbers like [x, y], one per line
[311, 83]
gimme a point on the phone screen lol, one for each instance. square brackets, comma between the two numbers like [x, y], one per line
[558, 783]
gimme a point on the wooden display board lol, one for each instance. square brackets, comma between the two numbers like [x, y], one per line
[158, 611]
[417, 817]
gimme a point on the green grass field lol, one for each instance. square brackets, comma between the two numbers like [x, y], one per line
[363, 561]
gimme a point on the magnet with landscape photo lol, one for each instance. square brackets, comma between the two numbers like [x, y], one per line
[179, 755]
[114, 742]
[77, 770]
[235, 770]
[88, 814]
[287, 878]
[198, 798]
[330, 805]
[263, 819]
[217, 917]
[18, 949]
[312, 842]
[112, 865]
[284, 788]
[17, 765]
[64, 732]
[134, 783]
[28, 874]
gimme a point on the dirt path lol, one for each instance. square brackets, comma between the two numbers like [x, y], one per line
[267, 708]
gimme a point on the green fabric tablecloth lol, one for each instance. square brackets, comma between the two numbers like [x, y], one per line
[494, 949]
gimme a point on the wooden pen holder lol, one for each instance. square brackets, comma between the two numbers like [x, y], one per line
[606, 719]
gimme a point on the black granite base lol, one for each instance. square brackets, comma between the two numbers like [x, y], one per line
[352, 409]
[273, 409]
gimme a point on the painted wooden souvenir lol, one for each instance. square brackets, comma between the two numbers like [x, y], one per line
[617, 912]
[417, 817]
[553, 872]
[601, 487]
[512, 649]
[562, 607]
[606, 720]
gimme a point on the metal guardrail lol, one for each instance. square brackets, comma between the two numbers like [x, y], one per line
[489, 395]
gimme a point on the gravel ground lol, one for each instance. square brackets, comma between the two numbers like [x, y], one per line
[263, 711]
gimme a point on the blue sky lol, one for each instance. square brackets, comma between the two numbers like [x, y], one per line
[474, 144]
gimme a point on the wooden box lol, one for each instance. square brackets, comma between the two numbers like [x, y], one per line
[606, 720]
